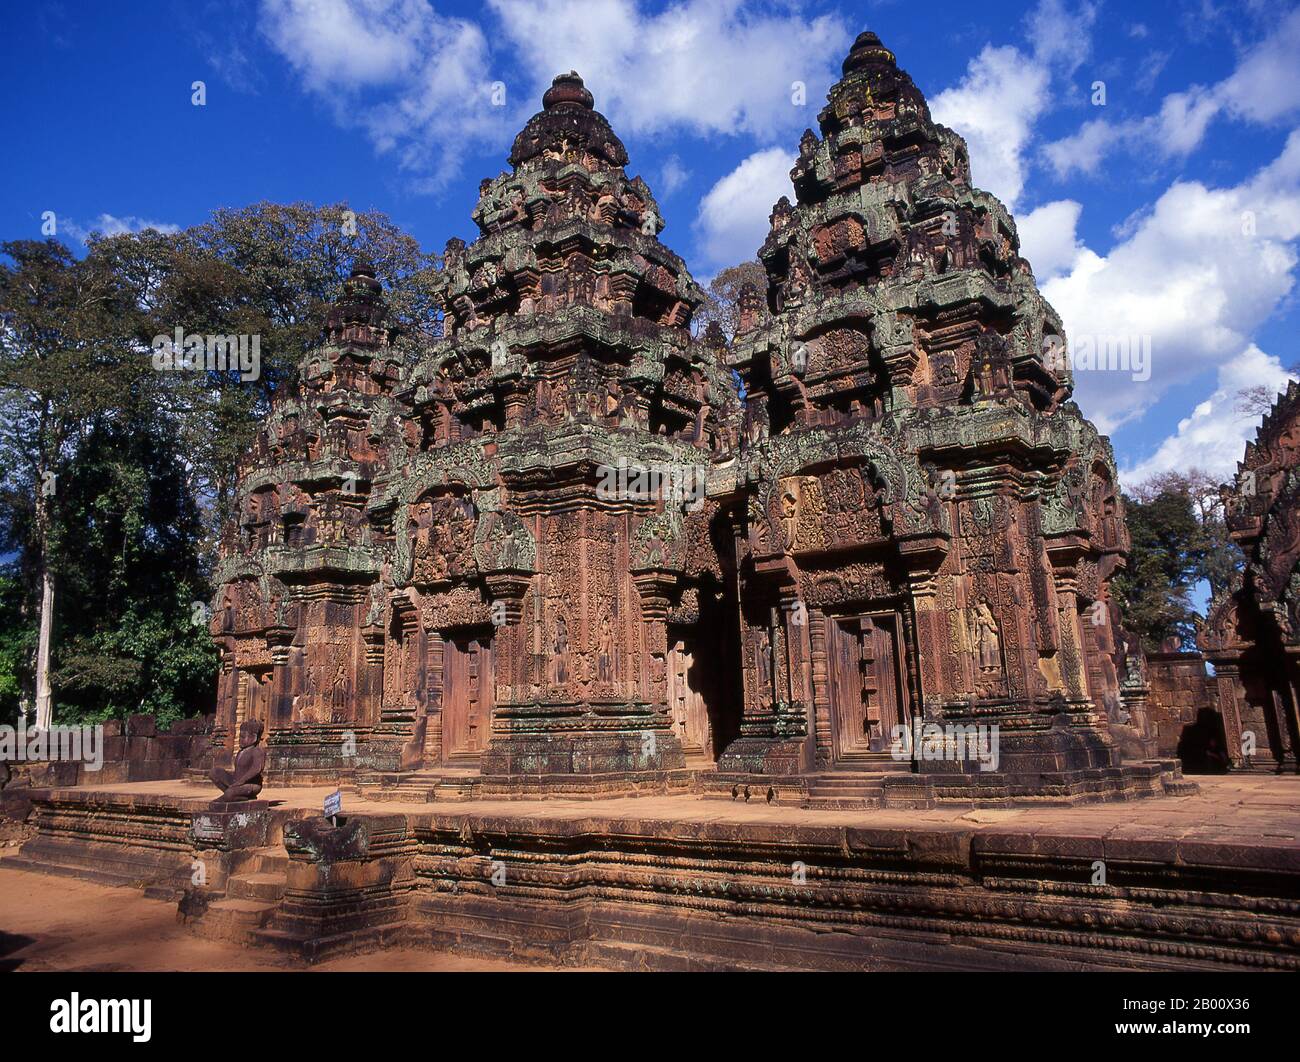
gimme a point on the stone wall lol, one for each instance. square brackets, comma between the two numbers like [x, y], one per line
[1181, 689]
[134, 751]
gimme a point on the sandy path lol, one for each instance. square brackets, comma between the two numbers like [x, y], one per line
[54, 923]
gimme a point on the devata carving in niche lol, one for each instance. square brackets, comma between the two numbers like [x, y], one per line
[442, 536]
[605, 651]
[560, 653]
[988, 644]
[789, 516]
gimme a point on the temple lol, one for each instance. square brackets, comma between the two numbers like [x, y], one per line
[814, 620]
[1252, 632]
[572, 547]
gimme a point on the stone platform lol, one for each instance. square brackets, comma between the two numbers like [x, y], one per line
[1204, 881]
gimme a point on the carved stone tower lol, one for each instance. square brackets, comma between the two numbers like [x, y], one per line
[566, 371]
[931, 525]
[546, 553]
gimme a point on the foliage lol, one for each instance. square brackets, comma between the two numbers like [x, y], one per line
[722, 296]
[1219, 559]
[17, 648]
[1179, 538]
[116, 477]
[267, 270]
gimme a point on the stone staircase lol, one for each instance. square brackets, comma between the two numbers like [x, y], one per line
[843, 790]
[252, 897]
[424, 786]
[862, 786]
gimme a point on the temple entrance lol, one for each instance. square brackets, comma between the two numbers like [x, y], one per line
[467, 699]
[866, 693]
[254, 696]
[686, 700]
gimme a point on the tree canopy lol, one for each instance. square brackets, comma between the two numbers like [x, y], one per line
[1179, 539]
[118, 477]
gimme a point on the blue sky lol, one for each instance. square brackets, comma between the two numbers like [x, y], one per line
[1168, 210]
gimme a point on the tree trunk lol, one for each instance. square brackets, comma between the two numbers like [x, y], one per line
[44, 701]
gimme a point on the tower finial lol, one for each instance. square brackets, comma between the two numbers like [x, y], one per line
[867, 51]
[567, 88]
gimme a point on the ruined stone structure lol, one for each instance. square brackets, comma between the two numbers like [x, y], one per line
[1179, 693]
[446, 583]
[449, 567]
[1252, 633]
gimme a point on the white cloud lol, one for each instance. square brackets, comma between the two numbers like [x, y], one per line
[348, 43]
[995, 107]
[110, 225]
[1175, 131]
[1085, 150]
[1199, 273]
[1266, 84]
[1048, 240]
[1061, 37]
[710, 66]
[1214, 436]
[1004, 92]
[1184, 116]
[733, 217]
[417, 82]
[1264, 88]
[672, 176]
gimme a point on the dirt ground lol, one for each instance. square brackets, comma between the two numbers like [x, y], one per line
[55, 923]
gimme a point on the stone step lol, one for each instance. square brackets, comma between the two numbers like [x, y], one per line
[455, 791]
[863, 793]
[404, 794]
[847, 790]
[266, 888]
[277, 863]
[163, 891]
[235, 915]
[843, 803]
[420, 787]
[270, 860]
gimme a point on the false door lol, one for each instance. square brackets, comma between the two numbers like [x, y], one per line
[866, 691]
[467, 693]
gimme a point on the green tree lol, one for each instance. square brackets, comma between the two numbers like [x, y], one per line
[722, 296]
[267, 270]
[118, 478]
[65, 357]
[1219, 558]
[1166, 560]
[17, 647]
[129, 640]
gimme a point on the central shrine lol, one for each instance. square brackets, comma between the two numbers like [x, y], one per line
[887, 516]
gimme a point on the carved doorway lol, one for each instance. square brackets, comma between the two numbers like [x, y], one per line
[686, 700]
[866, 692]
[467, 698]
[252, 701]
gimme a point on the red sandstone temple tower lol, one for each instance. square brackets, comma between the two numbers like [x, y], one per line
[548, 553]
[930, 527]
[483, 561]
[297, 616]
[567, 371]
